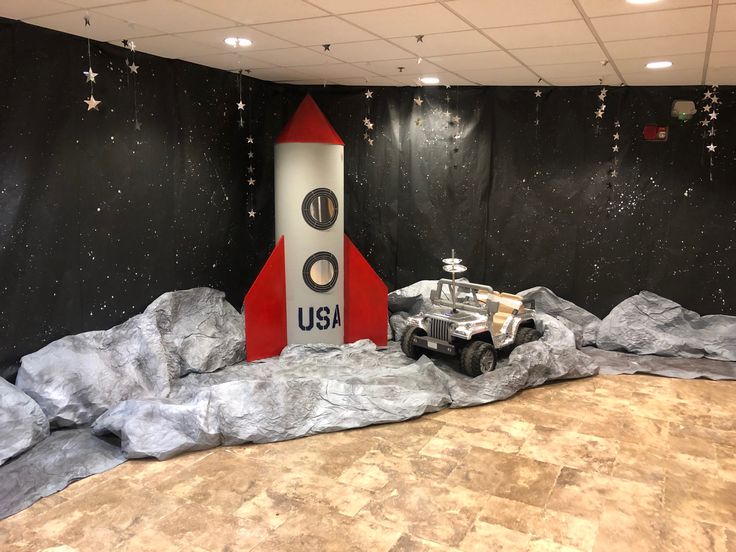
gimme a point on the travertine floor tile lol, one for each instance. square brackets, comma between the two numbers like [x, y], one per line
[570, 448]
[624, 532]
[484, 536]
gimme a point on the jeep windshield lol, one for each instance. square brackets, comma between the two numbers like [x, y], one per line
[467, 295]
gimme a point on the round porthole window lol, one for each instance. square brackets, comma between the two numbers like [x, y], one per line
[320, 208]
[320, 271]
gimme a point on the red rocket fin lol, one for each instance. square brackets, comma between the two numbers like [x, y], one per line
[265, 309]
[366, 299]
[309, 124]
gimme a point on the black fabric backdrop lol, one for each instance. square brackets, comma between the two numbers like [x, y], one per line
[98, 219]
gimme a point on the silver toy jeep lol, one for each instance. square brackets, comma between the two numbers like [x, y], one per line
[472, 321]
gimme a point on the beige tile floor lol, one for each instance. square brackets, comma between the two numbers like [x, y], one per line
[608, 463]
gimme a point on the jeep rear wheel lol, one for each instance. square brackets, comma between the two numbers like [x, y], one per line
[411, 350]
[478, 358]
[526, 335]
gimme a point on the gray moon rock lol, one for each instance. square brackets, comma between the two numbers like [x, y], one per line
[583, 323]
[77, 378]
[50, 466]
[22, 422]
[648, 324]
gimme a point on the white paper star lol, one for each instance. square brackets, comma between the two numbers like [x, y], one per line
[706, 107]
[368, 94]
[615, 136]
[418, 101]
[369, 126]
[249, 139]
[252, 213]
[131, 45]
[366, 121]
[251, 168]
[599, 114]
[617, 124]
[708, 95]
[537, 93]
[615, 148]
[90, 75]
[711, 148]
[251, 181]
[456, 119]
[705, 122]
[712, 132]
[92, 103]
[604, 91]
[250, 155]
[370, 141]
[366, 136]
[536, 122]
[133, 68]
[138, 125]
[241, 105]
[713, 114]
[614, 173]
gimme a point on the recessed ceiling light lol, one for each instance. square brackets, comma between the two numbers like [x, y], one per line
[642, 1]
[659, 64]
[430, 80]
[234, 42]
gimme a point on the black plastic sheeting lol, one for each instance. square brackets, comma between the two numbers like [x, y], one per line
[98, 219]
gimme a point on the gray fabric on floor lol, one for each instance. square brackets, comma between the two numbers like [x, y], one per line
[63, 457]
[77, 378]
[648, 324]
[22, 423]
[614, 362]
[318, 388]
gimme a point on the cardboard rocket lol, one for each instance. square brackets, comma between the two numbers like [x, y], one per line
[315, 287]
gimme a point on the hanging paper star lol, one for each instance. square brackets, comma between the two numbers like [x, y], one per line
[90, 75]
[249, 139]
[456, 119]
[536, 122]
[420, 38]
[599, 114]
[705, 122]
[133, 68]
[131, 45]
[418, 122]
[715, 99]
[241, 105]
[614, 173]
[370, 141]
[615, 136]
[604, 92]
[92, 103]
[537, 93]
[86, 20]
[706, 107]
[368, 94]
[713, 114]
[138, 125]
[366, 121]
[250, 155]
[369, 126]
[708, 95]
[418, 101]
[251, 169]
[617, 124]
[615, 148]
[326, 47]
[252, 213]
[365, 135]
[711, 147]
[712, 132]
[251, 181]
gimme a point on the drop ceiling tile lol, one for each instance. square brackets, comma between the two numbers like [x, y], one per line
[724, 41]
[721, 75]
[650, 24]
[504, 13]
[252, 12]
[173, 47]
[334, 71]
[597, 8]
[349, 6]
[370, 50]
[726, 19]
[446, 79]
[291, 57]
[722, 59]
[216, 38]
[37, 8]
[103, 28]
[90, 3]
[390, 68]
[588, 80]
[506, 76]
[671, 78]
[679, 63]
[587, 71]
[546, 34]
[313, 32]
[167, 15]
[443, 44]
[229, 61]
[560, 54]
[480, 60]
[278, 74]
[657, 47]
[374, 81]
[409, 21]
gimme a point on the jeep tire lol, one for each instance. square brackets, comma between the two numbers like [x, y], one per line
[478, 358]
[526, 335]
[411, 350]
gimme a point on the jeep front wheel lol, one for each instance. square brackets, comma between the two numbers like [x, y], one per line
[407, 345]
[526, 335]
[478, 358]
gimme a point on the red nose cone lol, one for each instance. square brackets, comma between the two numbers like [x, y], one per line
[309, 124]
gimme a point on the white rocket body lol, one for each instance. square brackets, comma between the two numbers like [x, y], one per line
[300, 168]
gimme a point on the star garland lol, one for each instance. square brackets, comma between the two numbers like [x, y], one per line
[538, 98]
[615, 148]
[367, 120]
[240, 104]
[600, 112]
[91, 102]
[133, 74]
[250, 142]
[709, 108]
